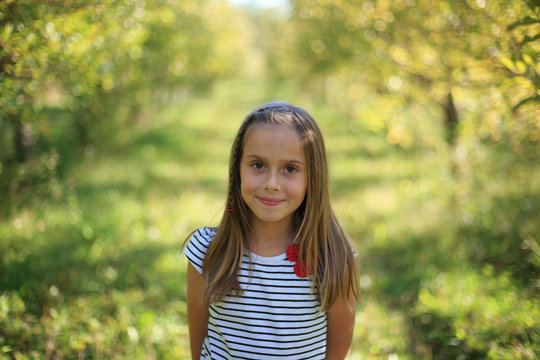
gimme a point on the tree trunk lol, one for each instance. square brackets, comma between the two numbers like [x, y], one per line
[22, 140]
[451, 120]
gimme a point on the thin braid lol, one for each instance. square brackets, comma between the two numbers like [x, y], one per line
[234, 158]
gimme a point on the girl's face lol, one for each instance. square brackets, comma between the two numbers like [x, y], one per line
[272, 173]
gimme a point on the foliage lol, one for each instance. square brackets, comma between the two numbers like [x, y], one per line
[115, 123]
[486, 316]
[96, 68]
[413, 54]
[419, 72]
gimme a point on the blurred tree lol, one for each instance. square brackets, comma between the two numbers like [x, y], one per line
[81, 73]
[478, 60]
[104, 61]
[475, 65]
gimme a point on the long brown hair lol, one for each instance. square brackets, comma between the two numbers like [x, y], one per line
[317, 231]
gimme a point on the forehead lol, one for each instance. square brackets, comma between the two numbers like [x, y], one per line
[265, 140]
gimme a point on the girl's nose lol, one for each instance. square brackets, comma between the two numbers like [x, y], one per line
[272, 181]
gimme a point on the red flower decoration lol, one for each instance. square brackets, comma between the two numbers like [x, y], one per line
[300, 270]
[299, 267]
[292, 253]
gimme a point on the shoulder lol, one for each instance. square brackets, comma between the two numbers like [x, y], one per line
[197, 246]
[203, 236]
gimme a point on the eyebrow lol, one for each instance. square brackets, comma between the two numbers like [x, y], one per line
[292, 161]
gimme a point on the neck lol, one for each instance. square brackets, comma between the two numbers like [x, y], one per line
[270, 239]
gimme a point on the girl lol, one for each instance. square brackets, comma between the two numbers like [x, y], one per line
[277, 279]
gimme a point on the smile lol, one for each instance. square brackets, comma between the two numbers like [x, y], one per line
[270, 201]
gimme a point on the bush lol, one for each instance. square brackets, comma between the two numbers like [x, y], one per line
[470, 315]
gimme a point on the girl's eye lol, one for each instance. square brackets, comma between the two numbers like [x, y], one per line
[290, 169]
[257, 165]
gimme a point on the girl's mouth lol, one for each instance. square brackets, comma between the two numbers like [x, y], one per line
[270, 201]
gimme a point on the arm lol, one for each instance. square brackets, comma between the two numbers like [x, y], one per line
[197, 310]
[340, 328]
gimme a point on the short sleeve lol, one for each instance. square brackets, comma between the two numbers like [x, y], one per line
[195, 250]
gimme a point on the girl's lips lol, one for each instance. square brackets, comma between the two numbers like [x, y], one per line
[270, 201]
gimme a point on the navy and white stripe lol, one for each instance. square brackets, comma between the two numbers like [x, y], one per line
[277, 317]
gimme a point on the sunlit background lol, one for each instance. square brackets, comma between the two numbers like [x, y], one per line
[116, 119]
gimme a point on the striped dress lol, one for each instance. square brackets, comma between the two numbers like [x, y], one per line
[277, 317]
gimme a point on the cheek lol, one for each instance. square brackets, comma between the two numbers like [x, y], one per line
[302, 193]
[298, 190]
[247, 183]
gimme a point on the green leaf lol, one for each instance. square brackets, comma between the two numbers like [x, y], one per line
[508, 63]
[528, 39]
[8, 29]
[528, 59]
[533, 98]
[534, 5]
[525, 21]
[521, 66]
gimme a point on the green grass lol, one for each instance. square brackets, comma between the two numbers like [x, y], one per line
[95, 271]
